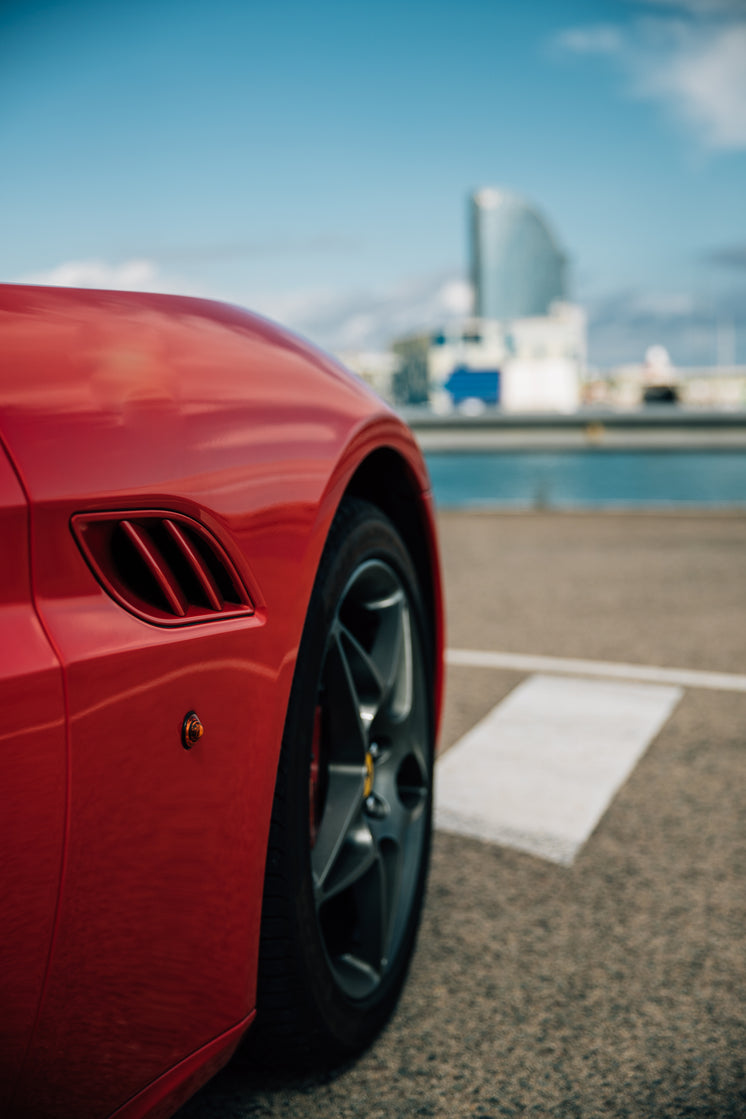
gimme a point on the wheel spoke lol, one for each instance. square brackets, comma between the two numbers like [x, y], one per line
[394, 715]
[400, 703]
[368, 684]
[386, 648]
[357, 977]
[347, 729]
[372, 909]
[339, 821]
[352, 860]
[360, 963]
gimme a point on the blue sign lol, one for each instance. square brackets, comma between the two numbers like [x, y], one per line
[474, 384]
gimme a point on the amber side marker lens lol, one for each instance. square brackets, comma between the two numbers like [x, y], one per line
[191, 730]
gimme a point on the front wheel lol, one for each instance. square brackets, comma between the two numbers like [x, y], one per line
[350, 834]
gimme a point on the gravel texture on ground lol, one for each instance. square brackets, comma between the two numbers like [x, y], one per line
[615, 987]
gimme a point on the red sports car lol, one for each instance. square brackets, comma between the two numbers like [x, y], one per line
[220, 679]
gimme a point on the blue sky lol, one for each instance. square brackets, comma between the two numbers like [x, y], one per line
[313, 161]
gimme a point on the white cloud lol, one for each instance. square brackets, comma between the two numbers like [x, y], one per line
[96, 274]
[690, 57]
[601, 39]
[320, 244]
[130, 275]
[699, 7]
[457, 297]
[623, 324]
[340, 320]
[334, 318]
[665, 304]
[643, 305]
[704, 82]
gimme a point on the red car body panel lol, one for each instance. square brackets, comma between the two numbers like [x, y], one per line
[32, 754]
[136, 867]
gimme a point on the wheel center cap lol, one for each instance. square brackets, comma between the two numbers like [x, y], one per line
[370, 771]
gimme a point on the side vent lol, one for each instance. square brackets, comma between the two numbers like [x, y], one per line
[162, 566]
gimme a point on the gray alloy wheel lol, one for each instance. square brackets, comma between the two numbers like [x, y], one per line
[370, 787]
[350, 832]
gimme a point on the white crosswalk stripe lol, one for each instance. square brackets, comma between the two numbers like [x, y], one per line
[538, 772]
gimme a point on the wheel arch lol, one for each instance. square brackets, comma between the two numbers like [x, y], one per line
[386, 479]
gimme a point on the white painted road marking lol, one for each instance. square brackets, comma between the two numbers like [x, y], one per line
[540, 770]
[524, 662]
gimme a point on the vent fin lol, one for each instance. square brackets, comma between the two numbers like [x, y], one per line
[156, 566]
[204, 577]
[162, 566]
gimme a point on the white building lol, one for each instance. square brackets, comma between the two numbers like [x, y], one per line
[710, 387]
[527, 364]
[547, 362]
[465, 362]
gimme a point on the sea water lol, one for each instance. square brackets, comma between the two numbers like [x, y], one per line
[580, 479]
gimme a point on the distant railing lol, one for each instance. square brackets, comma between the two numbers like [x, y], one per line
[663, 426]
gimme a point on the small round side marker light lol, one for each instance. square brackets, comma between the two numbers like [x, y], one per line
[191, 730]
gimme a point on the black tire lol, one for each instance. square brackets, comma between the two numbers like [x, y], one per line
[351, 821]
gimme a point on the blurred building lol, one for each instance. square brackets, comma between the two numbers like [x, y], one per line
[517, 268]
[721, 387]
[527, 364]
[547, 361]
[378, 369]
[525, 347]
[656, 381]
[409, 383]
[465, 362]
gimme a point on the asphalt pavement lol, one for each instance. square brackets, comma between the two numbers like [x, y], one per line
[614, 986]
